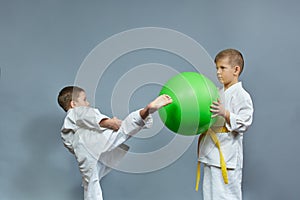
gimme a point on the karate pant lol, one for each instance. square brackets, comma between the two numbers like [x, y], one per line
[214, 187]
[132, 124]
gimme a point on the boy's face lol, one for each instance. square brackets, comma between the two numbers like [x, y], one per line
[227, 74]
[80, 101]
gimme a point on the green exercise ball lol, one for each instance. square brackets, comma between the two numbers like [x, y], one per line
[192, 95]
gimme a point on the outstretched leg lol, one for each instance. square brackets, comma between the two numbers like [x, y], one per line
[155, 105]
[136, 120]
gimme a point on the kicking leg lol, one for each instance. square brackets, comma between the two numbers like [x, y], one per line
[137, 120]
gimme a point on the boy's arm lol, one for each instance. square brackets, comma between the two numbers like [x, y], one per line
[91, 118]
[239, 121]
[111, 123]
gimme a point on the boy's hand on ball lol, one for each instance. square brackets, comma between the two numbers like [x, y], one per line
[217, 109]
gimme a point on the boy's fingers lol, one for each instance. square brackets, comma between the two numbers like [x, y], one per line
[215, 107]
[214, 115]
[215, 112]
[216, 103]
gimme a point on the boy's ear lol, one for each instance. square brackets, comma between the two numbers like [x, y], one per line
[72, 104]
[237, 70]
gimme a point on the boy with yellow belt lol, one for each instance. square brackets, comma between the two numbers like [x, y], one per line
[221, 149]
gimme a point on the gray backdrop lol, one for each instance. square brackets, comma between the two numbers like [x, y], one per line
[43, 43]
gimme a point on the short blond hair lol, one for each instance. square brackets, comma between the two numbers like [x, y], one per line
[234, 56]
[66, 95]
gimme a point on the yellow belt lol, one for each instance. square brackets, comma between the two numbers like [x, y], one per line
[215, 139]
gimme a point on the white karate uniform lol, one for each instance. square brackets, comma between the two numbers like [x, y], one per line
[97, 149]
[238, 102]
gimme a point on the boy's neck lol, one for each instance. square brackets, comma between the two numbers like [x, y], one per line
[230, 84]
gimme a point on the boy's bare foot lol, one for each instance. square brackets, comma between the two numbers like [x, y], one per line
[159, 102]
